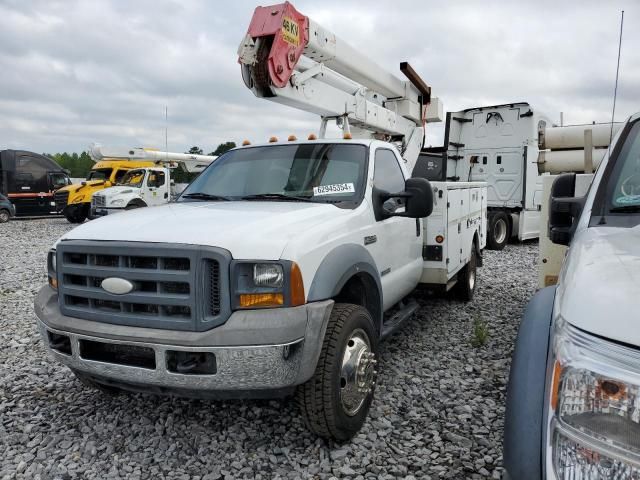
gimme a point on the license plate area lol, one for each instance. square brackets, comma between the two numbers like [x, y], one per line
[129, 355]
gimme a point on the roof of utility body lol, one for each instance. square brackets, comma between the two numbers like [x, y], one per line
[515, 104]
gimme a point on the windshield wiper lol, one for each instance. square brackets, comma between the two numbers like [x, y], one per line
[206, 196]
[626, 209]
[276, 196]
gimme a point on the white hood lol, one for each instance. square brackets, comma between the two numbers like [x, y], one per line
[599, 290]
[259, 230]
[117, 190]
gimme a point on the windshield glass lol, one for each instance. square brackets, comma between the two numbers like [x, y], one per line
[319, 172]
[625, 177]
[133, 178]
[100, 174]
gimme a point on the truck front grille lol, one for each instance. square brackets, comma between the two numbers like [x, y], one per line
[178, 287]
[61, 199]
[98, 200]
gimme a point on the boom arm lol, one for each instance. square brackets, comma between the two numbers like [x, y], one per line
[191, 163]
[288, 58]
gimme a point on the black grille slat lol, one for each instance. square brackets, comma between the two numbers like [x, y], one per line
[174, 286]
[213, 299]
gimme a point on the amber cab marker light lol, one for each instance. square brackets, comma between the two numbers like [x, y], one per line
[439, 239]
[312, 137]
[245, 143]
[273, 139]
[53, 283]
[296, 286]
[347, 136]
[292, 138]
[555, 384]
[249, 300]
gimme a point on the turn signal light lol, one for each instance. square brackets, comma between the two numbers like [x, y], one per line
[53, 282]
[296, 286]
[273, 139]
[439, 239]
[555, 384]
[248, 300]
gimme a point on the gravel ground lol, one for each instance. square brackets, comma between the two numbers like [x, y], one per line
[438, 410]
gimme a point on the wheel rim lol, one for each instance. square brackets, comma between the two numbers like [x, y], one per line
[358, 373]
[500, 230]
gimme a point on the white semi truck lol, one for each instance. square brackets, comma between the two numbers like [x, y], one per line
[572, 404]
[282, 267]
[144, 186]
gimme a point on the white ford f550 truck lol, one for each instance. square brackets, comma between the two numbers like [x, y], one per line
[573, 408]
[282, 266]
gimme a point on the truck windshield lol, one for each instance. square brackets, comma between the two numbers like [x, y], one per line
[133, 178]
[317, 172]
[100, 174]
[625, 178]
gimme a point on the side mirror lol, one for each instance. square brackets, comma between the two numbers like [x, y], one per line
[564, 209]
[419, 199]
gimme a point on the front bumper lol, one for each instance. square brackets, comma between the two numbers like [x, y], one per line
[256, 351]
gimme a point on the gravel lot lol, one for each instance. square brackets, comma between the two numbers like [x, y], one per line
[438, 411]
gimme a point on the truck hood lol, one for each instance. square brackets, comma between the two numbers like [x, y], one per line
[599, 288]
[77, 186]
[259, 230]
[117, 190]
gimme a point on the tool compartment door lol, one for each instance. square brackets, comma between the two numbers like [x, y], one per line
[455, 208]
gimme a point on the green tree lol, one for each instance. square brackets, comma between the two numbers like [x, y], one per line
[195, 151]
[222, 148]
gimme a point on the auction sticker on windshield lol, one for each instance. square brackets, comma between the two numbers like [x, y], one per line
[334, 189]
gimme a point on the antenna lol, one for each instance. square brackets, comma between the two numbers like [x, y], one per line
[615, 90]
[166, 132]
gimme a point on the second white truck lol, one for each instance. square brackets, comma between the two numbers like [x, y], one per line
[282, 267]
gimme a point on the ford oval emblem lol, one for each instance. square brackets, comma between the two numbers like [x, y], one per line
[117, 286]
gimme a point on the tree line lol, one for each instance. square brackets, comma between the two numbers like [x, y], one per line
[79, 165]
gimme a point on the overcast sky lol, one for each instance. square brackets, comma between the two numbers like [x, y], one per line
[74, 72]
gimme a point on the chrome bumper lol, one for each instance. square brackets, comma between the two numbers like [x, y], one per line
[259, 350]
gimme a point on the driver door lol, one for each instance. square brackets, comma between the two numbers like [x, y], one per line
[155, 187]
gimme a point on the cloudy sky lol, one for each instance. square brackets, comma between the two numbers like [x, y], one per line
[74, 72]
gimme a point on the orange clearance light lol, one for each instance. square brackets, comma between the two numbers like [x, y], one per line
[53, 282]
[439, 239]
[249, 300]
[292, 138]
[273, 139]
[296, 286]
[555, 384]
[312, 136]
[347, 136]
[245, 143]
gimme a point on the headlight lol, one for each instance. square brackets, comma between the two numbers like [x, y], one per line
[52, 272]
[268, 275]
[595, 407]
[117, 201]
[267, 284]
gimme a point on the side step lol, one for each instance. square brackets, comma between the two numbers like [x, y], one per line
[393, 323]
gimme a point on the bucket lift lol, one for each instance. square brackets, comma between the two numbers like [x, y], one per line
[288, 58]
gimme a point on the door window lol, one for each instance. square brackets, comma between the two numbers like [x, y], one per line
[156, 179]
[387, 174]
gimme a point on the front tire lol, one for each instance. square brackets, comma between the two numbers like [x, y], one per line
[4, 216]
[498, 231]
[336, 400]
[76, 213]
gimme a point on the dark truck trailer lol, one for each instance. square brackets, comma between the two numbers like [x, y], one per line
[29, 179]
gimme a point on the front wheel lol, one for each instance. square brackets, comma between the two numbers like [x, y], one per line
[76, 214]
[335, 401]
[4, 216]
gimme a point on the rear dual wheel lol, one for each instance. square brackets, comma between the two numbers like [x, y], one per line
[336, 400]
[498, 230]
